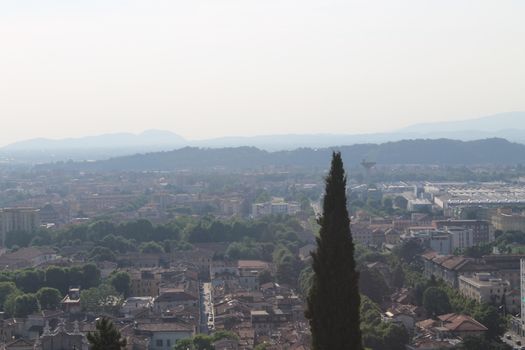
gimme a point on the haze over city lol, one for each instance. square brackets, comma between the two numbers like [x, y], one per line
[229, 68]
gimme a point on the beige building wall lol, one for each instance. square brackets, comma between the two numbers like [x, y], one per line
[505, 220]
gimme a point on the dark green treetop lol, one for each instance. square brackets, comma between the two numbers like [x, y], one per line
[333, 302]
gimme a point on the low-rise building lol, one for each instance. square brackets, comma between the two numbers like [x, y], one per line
[171, 298]
[249, 280]
[61, 338]
[368, 235]
[506, 220]
[145, 283]
[275, 207]
[450, 267]
[71, 302]
[419, 205]
[484, 287]
[449, 326]
[27, 257]
[481, 232]
[134, 305]
[164, 335]
[261, 322]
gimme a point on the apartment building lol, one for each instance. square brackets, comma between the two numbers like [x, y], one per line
[275, 208]
[481, 232]
[18, 219]
[145, 283]
[505, 220]
[483, 287]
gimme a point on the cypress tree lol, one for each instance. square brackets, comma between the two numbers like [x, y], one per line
[106, 337]
[333, 302]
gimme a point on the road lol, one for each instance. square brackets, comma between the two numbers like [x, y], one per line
[206, 308]
[203, 323]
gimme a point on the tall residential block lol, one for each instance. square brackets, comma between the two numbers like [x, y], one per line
[18, 219]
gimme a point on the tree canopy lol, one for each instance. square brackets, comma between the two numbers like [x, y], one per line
[106, 336]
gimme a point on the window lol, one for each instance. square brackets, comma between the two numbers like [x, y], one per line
[168, 342]
[159, 342]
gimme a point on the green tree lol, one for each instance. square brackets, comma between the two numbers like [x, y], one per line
[488, 316]
[106, 336]
[333, 302]
[49, 298]
[305, 280]
[203, 342]
[90, 276]
[10, 303]
[56, 277]
[75, 276]
[121, 281]
[408, 251]
[101, 254]
[6, 288]
[287, 265]
[395, 337]
[103, 298]
[436, 302]
[398, 277]
[388, 205]
[481, 343]
[224, 335]
[18, 238]
[29, 280]
[478, 251]
[184, 344]
[373, 285]
[25, 305]
[378, 334]
[151, 247]
[265, 276]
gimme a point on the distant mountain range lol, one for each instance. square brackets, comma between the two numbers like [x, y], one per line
[503, 122]
[426, 152]
[510, 126]
[150, 138]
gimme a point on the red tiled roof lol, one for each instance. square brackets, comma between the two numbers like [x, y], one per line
[164, 327]
[461, 323]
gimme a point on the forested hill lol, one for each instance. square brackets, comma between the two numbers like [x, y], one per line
[441, 151]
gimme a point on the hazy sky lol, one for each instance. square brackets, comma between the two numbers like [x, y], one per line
[205, 68]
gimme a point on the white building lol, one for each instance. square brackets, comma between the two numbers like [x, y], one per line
[483, 287]
[164, 336]
[275, 207]
[461, 238]
[446, 240]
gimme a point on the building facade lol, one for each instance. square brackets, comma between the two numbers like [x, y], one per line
[18, 219]
[481, 231]
[484, 287]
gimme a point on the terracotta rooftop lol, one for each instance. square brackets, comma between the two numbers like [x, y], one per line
[252, 264]
[461, 323]
[164, 327]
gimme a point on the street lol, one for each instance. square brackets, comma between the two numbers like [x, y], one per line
[206, 308]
